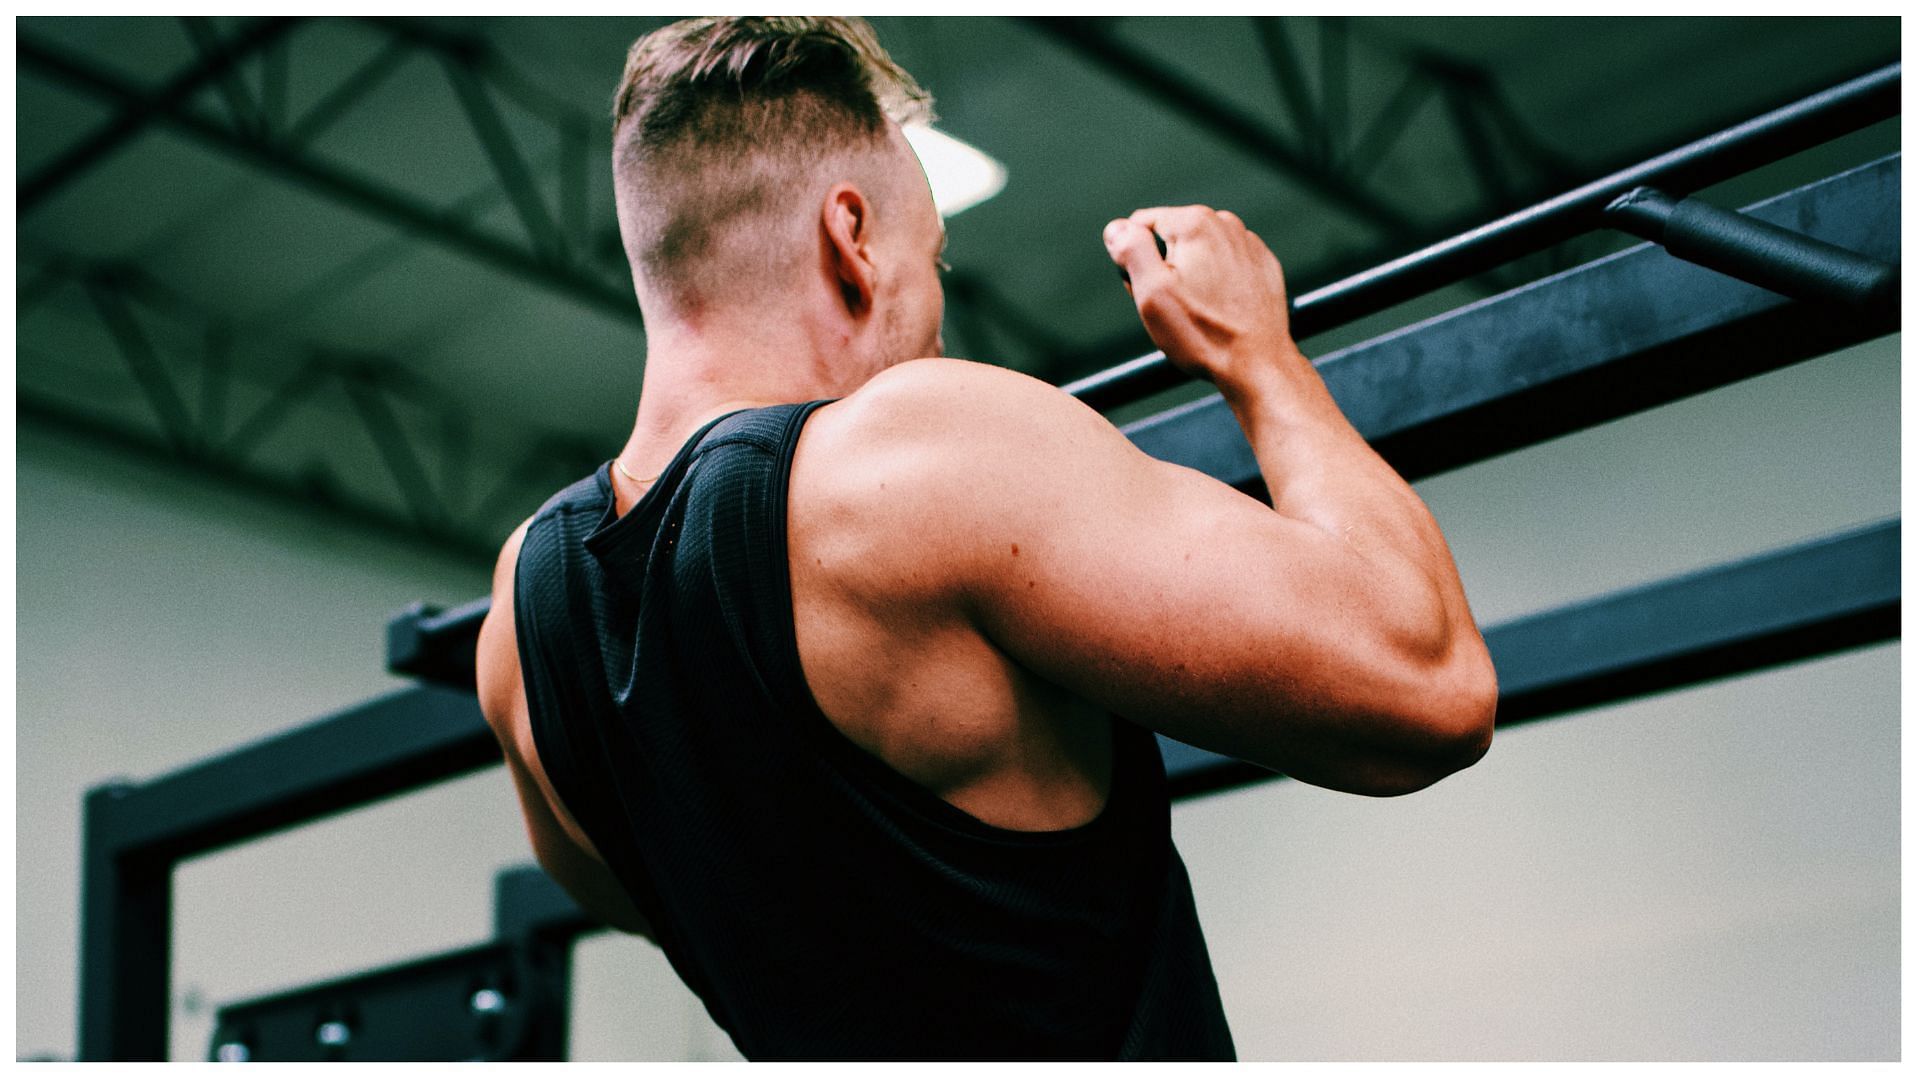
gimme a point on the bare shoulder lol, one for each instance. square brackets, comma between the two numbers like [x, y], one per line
[936, 464]
[931, 430]
[940, 401]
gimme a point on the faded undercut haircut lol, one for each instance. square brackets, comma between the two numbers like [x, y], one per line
[722, 131]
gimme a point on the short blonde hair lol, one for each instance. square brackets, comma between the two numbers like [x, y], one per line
[718, 121]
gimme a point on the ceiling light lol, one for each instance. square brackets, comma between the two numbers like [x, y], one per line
[960, 173]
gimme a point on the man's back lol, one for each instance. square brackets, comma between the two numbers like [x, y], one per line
[824, 899]
[964, 579]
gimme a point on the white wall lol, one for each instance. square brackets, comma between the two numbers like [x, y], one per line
[161, 620]
[1711, 873]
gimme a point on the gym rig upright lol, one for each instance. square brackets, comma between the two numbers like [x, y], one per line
[1713, 298]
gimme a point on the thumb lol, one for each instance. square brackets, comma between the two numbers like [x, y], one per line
[1138, 253]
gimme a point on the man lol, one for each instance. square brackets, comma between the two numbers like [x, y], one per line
[840, 681]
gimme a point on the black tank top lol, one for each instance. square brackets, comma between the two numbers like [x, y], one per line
[822, 905]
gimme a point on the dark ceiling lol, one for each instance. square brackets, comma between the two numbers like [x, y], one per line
[371, 264]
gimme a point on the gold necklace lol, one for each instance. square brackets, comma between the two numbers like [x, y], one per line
[630, 476]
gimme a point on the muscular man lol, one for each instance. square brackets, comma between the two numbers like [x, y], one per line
[840, 681]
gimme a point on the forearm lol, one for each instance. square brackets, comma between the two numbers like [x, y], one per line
[1321, 472]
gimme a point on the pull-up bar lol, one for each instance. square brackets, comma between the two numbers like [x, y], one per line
[1804, 124]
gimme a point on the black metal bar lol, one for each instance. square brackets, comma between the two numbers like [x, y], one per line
[528, 902]
[1501, 115]
[126, 929]
[500, 1001]
[1808, 122]
[263, 420]
[575, 165]
[507, 999]
[456, 462]
[233, 89]
[134, 834]
[275, 74]
[1604, 340]
[1835, 593]
[1285, 65]
[436, 644]
[1332, 129]
[216, 384]
[508, 165]
[291, 163]
[1820, 597]
[541, 461]
[349, 92]
[392, 744]
[1391, 122]
[1481, 154]
[1789, 263]
[140, 109]
[1244, 132]
[397, 452]
[147, 370]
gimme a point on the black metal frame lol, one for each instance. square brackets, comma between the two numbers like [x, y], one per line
[508, 998]
[1800, 602]
[1764, 611]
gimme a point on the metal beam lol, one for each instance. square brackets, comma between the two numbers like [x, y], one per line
[139, 111]
[294, 494]
[244, 111]
[509, 165]
[206, 441]
[126, 941]
[498, 1001]
[349, 92]
[410, 476]
[145, 366]
[381, 748]
[284, 159]
[1243, 132]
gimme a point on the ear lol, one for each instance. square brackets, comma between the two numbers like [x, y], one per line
[846, 221]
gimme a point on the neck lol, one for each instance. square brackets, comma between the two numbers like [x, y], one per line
[700, 369]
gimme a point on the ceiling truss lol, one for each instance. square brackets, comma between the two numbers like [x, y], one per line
[218, 423]
[233, 99]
